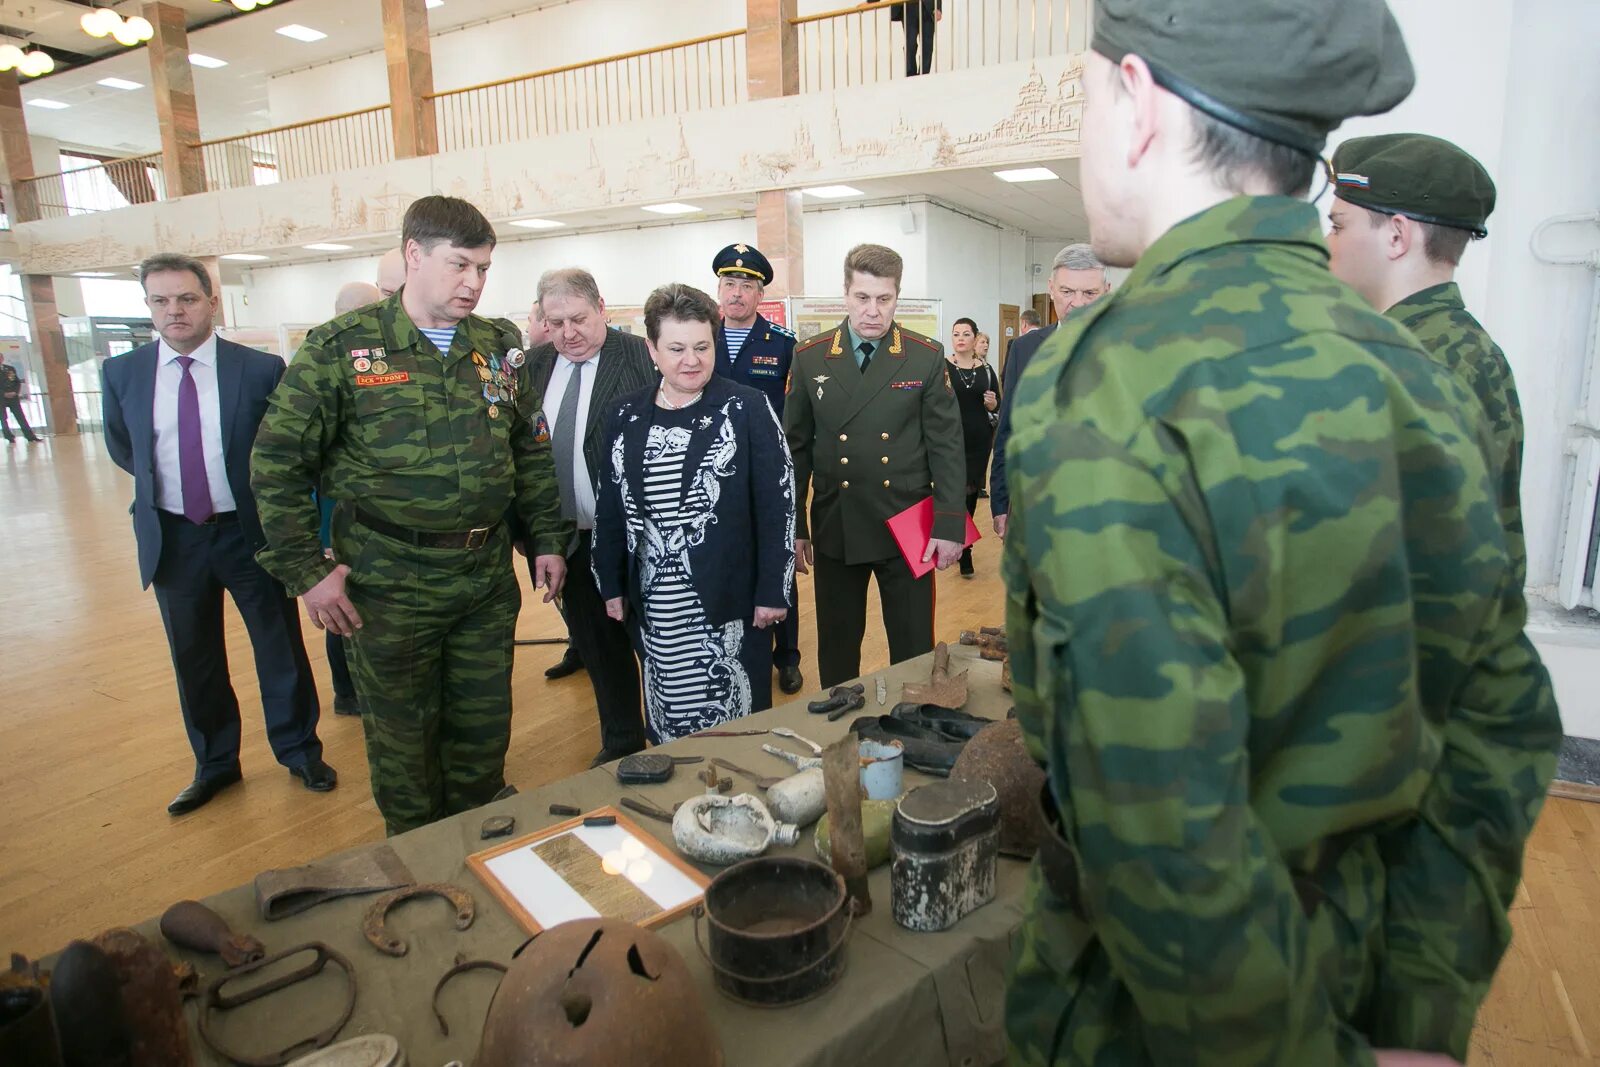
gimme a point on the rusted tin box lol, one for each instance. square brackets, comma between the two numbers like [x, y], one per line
[945, 843]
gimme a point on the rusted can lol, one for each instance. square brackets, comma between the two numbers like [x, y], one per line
[945, 844]
[778, 926]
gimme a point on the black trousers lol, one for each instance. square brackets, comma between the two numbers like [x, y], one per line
[339, 667]
[786, 634]
[14, 407]
[607, 652]
[197, 564]
[841, 590]
[919, 42]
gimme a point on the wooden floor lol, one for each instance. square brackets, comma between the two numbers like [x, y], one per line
[92, 748]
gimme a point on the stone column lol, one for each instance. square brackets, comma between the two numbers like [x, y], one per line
[781, 238]
[172, 83]
[410, 56]
[772, 50]
[21, 202]
[39, 293]
[214, 268]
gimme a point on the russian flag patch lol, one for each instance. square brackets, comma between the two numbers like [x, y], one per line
[1360, 181]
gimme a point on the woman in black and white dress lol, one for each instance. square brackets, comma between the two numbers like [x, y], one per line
[694, 529]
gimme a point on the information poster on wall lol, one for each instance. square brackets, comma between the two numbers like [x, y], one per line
[774, 311]
[629, 318]
[814, 314]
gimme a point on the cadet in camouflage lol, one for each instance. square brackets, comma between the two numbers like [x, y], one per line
[1407, 205]
[1265, 630]
[426, 440]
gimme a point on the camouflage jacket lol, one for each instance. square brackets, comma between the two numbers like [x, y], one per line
[1454, 338]
[369, 413]
[1254, 561]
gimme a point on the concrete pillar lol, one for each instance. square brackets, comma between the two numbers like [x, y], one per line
[172, 82]
[21, 203]
[780, 236]
[410, 56]
[772, 49]
[214, 268]
[39, 293]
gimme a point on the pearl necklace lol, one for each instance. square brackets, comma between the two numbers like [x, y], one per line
[661, 394]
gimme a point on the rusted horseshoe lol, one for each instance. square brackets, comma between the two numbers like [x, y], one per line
[461, 967]
[377, 915]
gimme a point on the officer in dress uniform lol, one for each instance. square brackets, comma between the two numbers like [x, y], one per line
[874, 429]
[754, 351]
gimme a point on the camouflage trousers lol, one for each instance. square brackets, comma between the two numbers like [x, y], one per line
[432, 663]
[1066, 1005]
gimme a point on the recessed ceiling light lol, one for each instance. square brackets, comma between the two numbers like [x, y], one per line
[1027, 174]
[326, 247]
[301, 33]
[538, 224]
[833, 192]
[94, 274]
[119, 83]
[435, 3]
[48, 105]
[244, 257]
[672, 209]
[206, 61]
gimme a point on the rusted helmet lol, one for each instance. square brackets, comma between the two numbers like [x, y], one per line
[598, 991]
[998, 756]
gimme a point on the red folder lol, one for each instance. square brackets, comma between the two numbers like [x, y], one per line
[913, 529]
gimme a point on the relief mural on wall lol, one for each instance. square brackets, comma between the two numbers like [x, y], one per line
[947, 122]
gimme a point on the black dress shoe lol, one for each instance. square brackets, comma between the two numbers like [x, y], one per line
[929, 751]
[199, 792]
[317, 776]
[346, 705]
[570, 663]
[610, 755]
[790, 679]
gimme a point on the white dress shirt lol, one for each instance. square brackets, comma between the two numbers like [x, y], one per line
[582, 487]
[169, 475]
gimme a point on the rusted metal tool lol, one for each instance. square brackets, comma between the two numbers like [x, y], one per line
[840, 696]
[847, 841]
[375, 927]
[215, 998]
[190, 924]
[647, 809]
[989, 640]
[462, 966]
[762, 781]
[712, 781]
[942, 689]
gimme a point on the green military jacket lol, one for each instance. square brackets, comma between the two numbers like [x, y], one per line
[1455, 339]
[368, 412]
[872, 446]
[1255, 584]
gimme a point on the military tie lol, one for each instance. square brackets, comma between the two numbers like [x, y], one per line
[567, 435]
[866, 348]
[197, 505]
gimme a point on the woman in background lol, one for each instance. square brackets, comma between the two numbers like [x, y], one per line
[694, 528]
[977, 389]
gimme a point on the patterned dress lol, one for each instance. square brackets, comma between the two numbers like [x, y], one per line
[696, 675]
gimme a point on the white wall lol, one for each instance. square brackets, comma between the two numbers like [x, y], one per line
[975, 267]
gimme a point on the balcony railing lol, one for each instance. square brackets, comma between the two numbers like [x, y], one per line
[104, 186]
[671, 79]
[866, 43]
[301, 149]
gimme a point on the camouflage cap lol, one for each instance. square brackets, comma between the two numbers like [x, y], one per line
[1424, 178]
[1287, 71]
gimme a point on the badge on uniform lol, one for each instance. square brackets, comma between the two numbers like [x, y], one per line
[819, 379]
[362, 364]
[541, 428]
[906, 385]
[515, 358]
[379, 364]
[383, 379]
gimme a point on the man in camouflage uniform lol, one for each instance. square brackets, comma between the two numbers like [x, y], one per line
[1407, 204]
[1265, 630]
[415, 415]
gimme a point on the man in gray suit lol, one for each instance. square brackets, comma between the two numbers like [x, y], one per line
[583, 369]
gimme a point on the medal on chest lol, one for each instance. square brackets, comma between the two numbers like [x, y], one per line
[499, 384]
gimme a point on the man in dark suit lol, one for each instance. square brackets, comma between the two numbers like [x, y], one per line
[583, 368]
[1077, 280]
[874, 429]
[181, 416]
[919, 17]
[754, 351]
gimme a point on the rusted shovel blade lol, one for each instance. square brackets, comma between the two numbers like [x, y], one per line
[942, 690]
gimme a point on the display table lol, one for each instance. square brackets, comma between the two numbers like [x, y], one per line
[922, 998]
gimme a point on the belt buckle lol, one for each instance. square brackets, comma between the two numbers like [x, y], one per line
[477, 537]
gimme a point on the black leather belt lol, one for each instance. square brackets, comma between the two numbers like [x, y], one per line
[471, 540]
[217, 518]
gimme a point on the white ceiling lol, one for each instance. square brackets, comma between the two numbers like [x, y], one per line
[231, 99]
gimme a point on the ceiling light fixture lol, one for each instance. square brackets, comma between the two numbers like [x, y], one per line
[538, 224]
[672, 209]
[435, 3]
[104, 22]
[304, 34]
[244, 5]
[199, 60]
[48, 105]
[833, 192]
[29, 64]
[326, 247]
[1027, 174]
[244, 257]
[120, 83]
[94, 274]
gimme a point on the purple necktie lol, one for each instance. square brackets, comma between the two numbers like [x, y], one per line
[197, 507]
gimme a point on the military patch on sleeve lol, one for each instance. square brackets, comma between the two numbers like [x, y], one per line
[541, 428]
[383, 379]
